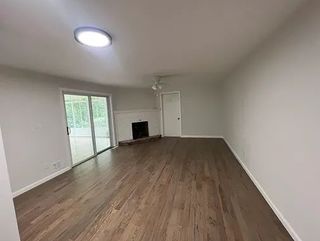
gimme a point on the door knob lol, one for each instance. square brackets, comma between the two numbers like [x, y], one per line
[178, 118]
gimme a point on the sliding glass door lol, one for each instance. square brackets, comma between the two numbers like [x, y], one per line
[101, 122]
[88, 125]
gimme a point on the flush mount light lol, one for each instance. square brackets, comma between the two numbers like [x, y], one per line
[92, 37]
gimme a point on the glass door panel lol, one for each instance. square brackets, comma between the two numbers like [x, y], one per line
[79, 127]
[100, 115]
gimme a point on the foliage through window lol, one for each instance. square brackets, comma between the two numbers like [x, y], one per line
[77, 108]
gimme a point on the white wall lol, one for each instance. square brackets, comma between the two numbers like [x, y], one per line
[8, 221]
[31, 116]
[272, 119]
[133, 99]
[200, 104]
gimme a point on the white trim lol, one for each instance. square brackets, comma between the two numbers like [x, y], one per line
[277, 212]
[64, 125]
[112, 122]
[199, 136]
[161, 112]
[134, 111]
[84, 92]
[41, 181]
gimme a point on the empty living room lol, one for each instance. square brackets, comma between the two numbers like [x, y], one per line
[172, 120]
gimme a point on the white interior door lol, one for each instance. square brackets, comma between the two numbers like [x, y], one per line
[171, 114]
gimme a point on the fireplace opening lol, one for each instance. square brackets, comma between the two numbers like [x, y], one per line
[140, 129]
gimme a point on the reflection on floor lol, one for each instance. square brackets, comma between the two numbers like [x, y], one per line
[82, 147]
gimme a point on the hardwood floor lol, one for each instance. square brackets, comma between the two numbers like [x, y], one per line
[172, 189]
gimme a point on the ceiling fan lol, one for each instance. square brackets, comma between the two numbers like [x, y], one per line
[157, 85]
[157, 81]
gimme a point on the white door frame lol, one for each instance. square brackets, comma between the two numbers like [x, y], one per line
[161, 111]
[64, 91]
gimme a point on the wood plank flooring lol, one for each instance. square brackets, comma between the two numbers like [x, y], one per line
[172, 190]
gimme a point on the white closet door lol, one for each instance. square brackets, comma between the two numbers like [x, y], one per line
[171, 114]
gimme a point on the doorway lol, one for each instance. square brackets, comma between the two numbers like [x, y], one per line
[171, 114]
[88, 119]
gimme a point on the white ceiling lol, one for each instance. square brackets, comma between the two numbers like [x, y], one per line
[149, 36]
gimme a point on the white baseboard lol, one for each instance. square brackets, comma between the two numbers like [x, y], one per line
[198, 136]
[37, 183]
[277, 212]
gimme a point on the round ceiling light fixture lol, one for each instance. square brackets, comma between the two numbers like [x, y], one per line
[93, 37]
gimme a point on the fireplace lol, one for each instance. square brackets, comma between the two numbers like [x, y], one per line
[140, 129]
